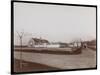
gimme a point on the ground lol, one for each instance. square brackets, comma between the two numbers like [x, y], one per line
[86, 59]
[30, 66]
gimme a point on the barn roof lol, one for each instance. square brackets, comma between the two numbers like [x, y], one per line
[40, 40]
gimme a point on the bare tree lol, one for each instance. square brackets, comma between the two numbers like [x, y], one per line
[77, 43]
[20, 35]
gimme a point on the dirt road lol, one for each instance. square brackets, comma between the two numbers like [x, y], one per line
[85, 60]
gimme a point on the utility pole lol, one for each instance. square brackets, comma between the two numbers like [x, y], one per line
[20, 35]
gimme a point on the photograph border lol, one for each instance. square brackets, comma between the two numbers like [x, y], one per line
[50, 3]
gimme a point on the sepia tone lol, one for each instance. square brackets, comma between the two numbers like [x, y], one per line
[53, 37]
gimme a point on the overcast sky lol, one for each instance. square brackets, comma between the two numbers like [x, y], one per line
[54, 22]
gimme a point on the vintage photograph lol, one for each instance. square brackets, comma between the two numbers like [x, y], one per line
[53, 37]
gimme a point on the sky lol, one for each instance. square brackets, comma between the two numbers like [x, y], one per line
[56, 23]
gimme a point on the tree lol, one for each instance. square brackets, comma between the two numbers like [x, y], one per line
[77, 43]
[20, 35]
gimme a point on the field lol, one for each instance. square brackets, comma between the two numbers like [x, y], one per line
[56, 58]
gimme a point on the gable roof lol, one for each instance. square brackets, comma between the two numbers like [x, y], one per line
[40, 40]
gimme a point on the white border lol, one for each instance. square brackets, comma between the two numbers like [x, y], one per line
[5, 27]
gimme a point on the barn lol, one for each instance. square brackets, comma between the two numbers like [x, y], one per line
[37, 42]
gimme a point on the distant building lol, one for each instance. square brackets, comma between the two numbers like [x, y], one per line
[36, 42]
[74, 44]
